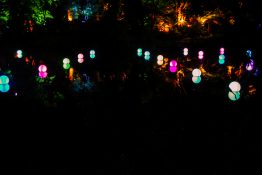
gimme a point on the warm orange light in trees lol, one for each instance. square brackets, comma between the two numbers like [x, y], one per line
[69, 16]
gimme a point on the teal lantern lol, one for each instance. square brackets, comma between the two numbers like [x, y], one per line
[92, 54]
[139, 52]
[147, 55]
[196, 79]
[233, 95]
[4, 79]
[4, 87]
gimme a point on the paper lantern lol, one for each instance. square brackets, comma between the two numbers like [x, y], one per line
[233, 95]
[139, 52]
[4, 79]
[80, 56]
[221, 57]
[160, 60]
[173, 63]
[222, 50]
[42, 74]
[200, 55]
[196, 79]
[4, 87]
[234, 86]
[185, 51]
[66, 66]
[80, 60]
[92, 54]
[173, 69]
[19, 53]
[221, 61]
[147, 55]
[66, 61]
[42, 68]
[196, 72]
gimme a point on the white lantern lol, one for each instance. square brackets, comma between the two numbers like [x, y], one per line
[234, 86]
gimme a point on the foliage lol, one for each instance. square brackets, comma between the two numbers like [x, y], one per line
[4, 12]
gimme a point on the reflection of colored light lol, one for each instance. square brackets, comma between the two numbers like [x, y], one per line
[173, 69]
[4, 87]
[4, 79]
[234, 86]
[196, 72]
[196, 79]
[42, 74]
[233, 95]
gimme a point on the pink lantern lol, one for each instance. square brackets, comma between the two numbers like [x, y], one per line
[173, 63]
[42, 68]
[42, 74]
[173, 69]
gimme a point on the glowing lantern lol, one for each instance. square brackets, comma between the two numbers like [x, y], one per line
[160, 60]
[233, 95]
[4, 79]
[221, 57]
[92, 54]
[196, 72]
[42, 68]
[80, 56]
[220, 61]
[66, 65]
[172, 69]
[19, 53]
[147, 55]
[200, 55]
[139, 52]
[173, 63]
[66, 61]
[234, 86]
[4, 87]
[196, 79]
[80, 60]
[42, 74]
[185, 51]
[222, 51]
